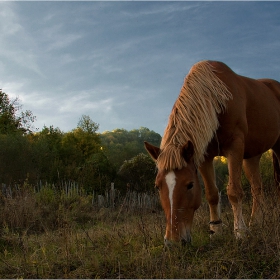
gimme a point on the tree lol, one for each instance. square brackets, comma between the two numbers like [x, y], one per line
[16, 159]
[16, 153]
[123, 145]
[47, 145]
[11, 119]
[97, 173]
[87, 125]
[84, 137]
[139, 172]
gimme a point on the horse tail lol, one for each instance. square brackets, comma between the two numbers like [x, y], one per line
[276, 167]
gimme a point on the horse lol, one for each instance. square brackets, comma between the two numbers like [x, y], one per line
[217, 113]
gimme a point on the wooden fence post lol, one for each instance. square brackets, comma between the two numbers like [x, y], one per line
[92, 202]
[112, 196]
[100, 201]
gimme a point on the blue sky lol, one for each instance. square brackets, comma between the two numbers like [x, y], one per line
[123, 63]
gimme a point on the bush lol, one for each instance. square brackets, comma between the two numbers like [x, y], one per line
[266, 168]
[139, 172]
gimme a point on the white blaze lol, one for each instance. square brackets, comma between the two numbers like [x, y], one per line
[171, 182]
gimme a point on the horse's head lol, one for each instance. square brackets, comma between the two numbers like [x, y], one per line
[180, 194]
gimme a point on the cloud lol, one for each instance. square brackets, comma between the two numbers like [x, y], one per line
[16, 45]
[81, 103]
[12, 89]
[9, 25]
[156, 9]
[57, 39]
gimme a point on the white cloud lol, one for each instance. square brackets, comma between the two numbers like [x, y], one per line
[9, 25]
[17, 46]
[60, 41]
[155, 9]
[12, 88]
[82, 103]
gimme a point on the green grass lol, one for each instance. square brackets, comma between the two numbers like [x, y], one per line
[68, 238]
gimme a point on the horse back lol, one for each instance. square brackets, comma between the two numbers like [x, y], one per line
[273, 85]
[253, 113]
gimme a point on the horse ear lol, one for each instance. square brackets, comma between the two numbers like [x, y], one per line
[188, 151]
[152, 150]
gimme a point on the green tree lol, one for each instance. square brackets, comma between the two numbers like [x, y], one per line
[47, 145]
[83, 154]
[11, 118]
[16, 153]
[87, 125]
[123, 145]
[17, 159]
[139, 173]
[97, 173]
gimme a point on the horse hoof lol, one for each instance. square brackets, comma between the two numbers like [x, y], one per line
[241, 234]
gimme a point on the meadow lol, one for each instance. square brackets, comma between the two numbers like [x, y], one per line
[45, 235]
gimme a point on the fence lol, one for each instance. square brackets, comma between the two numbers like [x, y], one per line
[131, 200]
[140, 200]
[68, 187]
[111, 198]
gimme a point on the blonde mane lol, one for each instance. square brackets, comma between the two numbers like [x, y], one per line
[194, 116]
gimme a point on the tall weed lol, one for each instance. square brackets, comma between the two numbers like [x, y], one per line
[118, 243]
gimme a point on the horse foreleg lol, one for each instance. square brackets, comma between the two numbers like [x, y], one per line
[234, 189]
[212, 195]
[252, 171]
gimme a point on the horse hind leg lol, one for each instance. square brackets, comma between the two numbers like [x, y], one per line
[252, 171]
[234, 190]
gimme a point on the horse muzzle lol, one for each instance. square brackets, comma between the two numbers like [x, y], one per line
[184, 240]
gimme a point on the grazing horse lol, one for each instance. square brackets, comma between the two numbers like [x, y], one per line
[217, 113]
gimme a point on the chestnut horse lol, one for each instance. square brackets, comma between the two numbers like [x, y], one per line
[217, 113]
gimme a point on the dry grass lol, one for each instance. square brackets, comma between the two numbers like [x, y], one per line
[61, 238]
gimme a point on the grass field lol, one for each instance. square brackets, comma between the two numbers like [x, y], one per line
[44, 236]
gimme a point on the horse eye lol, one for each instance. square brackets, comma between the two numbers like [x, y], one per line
[190, 185]
[157, 187]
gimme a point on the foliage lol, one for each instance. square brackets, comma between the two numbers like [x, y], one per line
[87, 125]
[221, 171]
[266, 169]
[139, 173]
[17, 159]
[123, 145]
[52, 156]
[11, 119]
[97, 173]
[47, 150]
[69, 156]
[82, 155]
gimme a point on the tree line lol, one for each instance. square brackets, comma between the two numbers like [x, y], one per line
[91, 159]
